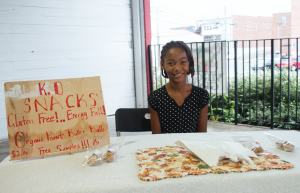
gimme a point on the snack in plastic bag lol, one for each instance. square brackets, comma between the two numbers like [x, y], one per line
[279, 143]
[109, 156]
[113, 150]
[253, 146]
[103, 153]
[282, 144]
[288, 147]
[95, 155]
[249, 143]
[94, 159]
[212, 153]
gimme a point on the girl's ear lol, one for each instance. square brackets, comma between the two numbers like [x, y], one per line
[162, 65]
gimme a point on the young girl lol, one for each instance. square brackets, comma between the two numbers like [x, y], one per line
[178, 107]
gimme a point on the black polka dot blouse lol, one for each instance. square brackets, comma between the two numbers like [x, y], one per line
[178, 119]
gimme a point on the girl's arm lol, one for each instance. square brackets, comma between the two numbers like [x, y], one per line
[202, 124]
[154, 120]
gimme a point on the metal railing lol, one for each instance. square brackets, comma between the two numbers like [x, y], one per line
[250, 81]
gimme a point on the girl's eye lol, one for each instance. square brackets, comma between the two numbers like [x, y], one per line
[170, 63]
[183, 62]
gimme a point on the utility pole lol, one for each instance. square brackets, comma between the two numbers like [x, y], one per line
[225, 23]
[157, 27]
[202, 27]
[278, 27]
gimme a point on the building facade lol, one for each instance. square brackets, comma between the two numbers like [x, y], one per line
[215, 29]
[282, 28]
[251, 28]
[235, 28]
[295, 30]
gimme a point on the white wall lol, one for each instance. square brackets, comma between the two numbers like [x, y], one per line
[68, 39]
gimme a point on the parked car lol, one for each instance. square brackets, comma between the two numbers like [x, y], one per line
[276, 58]
[292, 64]
[260, 64]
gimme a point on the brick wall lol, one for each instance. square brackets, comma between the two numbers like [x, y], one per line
[258, 28]
[295, 21]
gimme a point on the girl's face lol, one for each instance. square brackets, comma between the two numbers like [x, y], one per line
[176, 64]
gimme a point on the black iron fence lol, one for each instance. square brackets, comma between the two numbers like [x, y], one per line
[250, 81]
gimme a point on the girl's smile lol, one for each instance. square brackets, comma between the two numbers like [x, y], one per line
[177, 75]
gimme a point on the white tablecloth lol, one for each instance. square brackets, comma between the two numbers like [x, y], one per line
[65, 173]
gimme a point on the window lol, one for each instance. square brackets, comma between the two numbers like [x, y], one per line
[283, 20]
[209, 27]
[265, 27]
[237, 41]
[246, 26]
[255, 27]
[247, 42]
[237, 25]
[204, 28]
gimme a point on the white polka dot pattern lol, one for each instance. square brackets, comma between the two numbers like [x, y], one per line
[178, 119]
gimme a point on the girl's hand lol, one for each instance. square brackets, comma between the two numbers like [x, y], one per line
[202, 124]
[154, 120]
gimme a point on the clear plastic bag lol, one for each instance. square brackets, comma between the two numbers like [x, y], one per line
[113, 150]
[249, 143]
[213, 152]
[103, 153]
[282, 144]
[95, 155]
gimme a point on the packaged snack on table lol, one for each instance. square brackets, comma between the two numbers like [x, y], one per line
[253, 146]
[282, 144]
[103, 153]
[279, 143]
[250, 143]
[288, 146]
[112, 151]
[95, 155]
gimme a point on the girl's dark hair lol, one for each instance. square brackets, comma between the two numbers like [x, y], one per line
[182, 45]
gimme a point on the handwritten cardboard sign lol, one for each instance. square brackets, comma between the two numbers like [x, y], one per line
[53, 116]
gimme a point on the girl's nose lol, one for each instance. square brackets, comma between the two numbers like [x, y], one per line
[176, 67]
